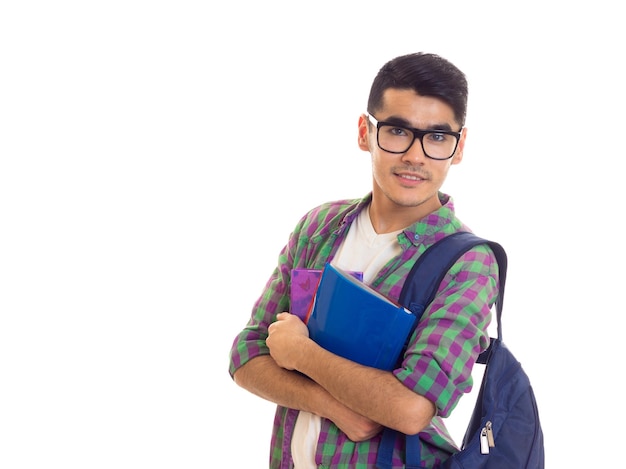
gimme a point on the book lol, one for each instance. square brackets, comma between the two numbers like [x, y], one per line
[303, 286]
[353, 320]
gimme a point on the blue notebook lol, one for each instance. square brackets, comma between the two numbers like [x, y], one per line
[351, 319]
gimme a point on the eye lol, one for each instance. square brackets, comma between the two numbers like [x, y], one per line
[398, 131]
[438, 137]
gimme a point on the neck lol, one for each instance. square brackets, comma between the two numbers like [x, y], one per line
[387, 216]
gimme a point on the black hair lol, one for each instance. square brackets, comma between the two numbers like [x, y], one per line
[426, 74]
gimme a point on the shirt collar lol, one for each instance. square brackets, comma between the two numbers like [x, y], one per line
[424, 231]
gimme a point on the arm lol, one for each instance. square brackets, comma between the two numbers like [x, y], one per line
[375, 394]
[254, 369]
[263, 377]
[453, 331]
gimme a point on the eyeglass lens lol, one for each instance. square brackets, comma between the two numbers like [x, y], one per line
[398, 140]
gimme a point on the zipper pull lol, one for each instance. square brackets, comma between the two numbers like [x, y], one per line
[484, 442]
[489, 429]
[486, 438]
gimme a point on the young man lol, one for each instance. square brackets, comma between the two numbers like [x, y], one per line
[331, 411]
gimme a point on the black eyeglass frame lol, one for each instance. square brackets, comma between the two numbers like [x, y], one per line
[417, 134]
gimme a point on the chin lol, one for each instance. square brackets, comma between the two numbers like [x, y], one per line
[429, 202]
[406, 201]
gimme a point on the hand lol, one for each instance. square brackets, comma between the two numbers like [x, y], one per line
[285, 339]
[357, 427]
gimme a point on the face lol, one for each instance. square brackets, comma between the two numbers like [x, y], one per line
[409, 181]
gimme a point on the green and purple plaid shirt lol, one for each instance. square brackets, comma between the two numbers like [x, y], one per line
[439, 359]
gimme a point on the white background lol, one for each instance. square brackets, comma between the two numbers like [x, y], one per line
[154, 157]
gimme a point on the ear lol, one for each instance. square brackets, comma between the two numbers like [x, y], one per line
[363, 137]
[458, 154]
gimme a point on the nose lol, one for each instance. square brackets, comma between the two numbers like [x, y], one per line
[415, 153]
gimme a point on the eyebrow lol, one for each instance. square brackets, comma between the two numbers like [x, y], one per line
[402, 122]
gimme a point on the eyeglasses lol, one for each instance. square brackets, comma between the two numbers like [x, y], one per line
[437, 144]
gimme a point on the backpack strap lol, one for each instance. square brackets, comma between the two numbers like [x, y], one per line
[427, 273]
[418, 292]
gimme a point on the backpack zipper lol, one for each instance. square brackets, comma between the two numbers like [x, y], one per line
[486, 438]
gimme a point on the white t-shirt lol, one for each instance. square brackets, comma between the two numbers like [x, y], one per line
[365, 251]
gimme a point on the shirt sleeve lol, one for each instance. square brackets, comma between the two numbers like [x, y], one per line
[440, 356]
[250, 342]
[274, 299]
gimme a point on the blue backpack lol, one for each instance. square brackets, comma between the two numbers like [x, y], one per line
[504, 431]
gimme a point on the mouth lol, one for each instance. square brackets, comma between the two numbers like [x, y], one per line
[410, 177]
